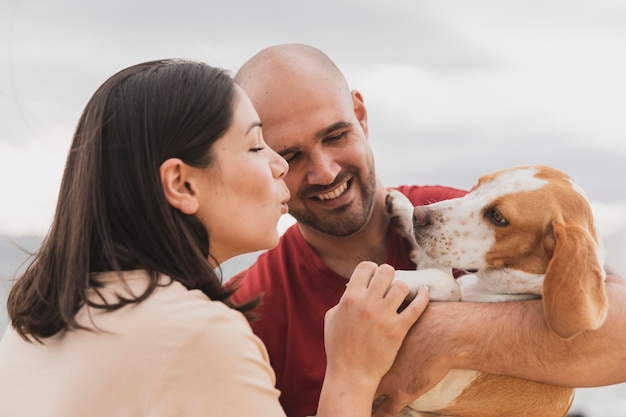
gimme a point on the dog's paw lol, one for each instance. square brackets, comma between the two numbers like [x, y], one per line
[442, 285]
[400, 211]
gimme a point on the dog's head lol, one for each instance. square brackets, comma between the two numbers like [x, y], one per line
[534, 223]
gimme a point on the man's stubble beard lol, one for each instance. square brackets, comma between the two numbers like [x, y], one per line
[340, 222]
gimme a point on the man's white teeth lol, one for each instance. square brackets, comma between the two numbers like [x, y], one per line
[334, 193]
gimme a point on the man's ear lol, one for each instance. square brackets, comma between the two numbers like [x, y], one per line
[177, 187]
[359, 110]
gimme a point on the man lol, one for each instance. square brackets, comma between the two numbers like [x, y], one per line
[319, 126]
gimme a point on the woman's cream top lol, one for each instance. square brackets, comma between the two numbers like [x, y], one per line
[178, 353]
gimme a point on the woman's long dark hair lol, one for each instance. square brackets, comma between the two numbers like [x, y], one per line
[112, 214]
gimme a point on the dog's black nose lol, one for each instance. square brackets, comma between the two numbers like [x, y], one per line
[421, 216]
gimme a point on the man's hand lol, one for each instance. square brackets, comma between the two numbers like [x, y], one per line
[479, 336]
[421, 363]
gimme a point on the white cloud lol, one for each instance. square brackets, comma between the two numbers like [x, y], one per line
[611, 224]
[31, 177]
[453, 88]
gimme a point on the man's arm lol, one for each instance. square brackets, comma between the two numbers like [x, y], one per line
[509, 338]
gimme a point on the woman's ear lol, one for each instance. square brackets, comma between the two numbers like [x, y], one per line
[177, 187]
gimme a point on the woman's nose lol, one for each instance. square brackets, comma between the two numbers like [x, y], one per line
[280, 167]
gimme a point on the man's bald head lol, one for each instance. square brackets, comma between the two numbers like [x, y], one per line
[281, 74]
[293, 57]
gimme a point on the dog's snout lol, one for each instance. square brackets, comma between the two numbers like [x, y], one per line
[421, 216]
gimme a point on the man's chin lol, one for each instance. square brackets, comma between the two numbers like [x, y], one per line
[338, 227]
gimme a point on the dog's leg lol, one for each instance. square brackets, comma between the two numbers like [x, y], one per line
[442, 285]
[474, 289]
[400, 211]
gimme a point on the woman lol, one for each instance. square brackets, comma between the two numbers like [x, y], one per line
[121, 312]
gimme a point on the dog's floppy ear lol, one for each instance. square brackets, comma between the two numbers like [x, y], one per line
[574, 297]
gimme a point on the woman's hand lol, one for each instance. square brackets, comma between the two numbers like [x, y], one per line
[363, 333]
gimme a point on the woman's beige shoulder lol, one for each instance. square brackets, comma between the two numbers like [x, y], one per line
[175, 302]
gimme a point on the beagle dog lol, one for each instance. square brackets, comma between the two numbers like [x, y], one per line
[524, 232]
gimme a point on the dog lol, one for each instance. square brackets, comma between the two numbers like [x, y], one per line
[520, 233]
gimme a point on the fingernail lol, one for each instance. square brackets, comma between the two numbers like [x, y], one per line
[426, 288]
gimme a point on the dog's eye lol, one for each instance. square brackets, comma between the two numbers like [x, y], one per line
[496, 217]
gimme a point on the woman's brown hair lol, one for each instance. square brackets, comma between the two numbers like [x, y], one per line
[111, 212]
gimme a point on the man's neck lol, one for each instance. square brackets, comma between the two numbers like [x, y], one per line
[343, 254]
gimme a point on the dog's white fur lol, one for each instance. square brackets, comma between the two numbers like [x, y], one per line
[524, 232]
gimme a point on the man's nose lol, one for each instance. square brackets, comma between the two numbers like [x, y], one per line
[322, 169]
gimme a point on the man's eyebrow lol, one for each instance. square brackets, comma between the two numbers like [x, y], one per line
[322, 133]
[253, 125]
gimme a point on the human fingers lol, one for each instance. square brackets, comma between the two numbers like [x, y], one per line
[393, 326]
[380, 284]
[358, 297]
[398, 391]
[416, 307]
[361, 275]
[389, 407]
[366, 317]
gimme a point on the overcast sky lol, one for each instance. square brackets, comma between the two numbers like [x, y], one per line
[454, 89]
